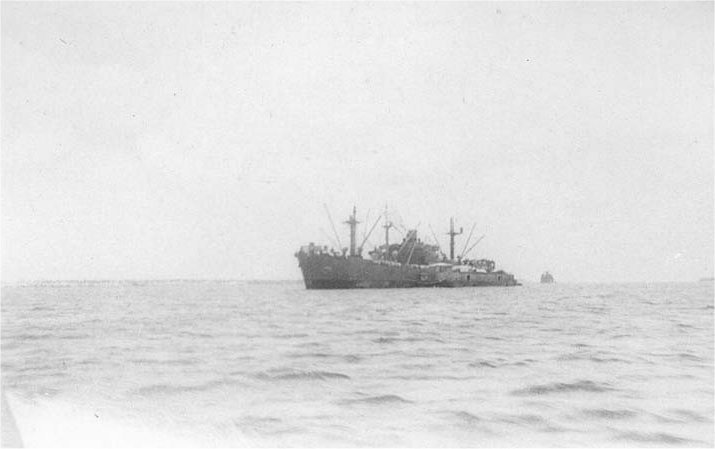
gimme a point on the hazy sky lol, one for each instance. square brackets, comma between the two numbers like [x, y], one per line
[185, 140]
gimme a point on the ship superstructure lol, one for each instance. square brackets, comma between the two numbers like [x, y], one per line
[410, 263]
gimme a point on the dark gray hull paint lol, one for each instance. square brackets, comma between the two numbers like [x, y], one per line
[323, 271]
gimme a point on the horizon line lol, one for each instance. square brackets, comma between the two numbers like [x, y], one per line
[257, 280]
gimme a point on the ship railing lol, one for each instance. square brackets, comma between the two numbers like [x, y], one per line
[388, 262]
[465, 268]
[320, 250]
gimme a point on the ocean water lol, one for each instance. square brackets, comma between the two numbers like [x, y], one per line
[206, 364]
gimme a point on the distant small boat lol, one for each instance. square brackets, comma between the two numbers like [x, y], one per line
[546, 278]
[710, 279]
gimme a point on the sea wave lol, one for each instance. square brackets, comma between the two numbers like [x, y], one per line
[483, 363]
[655, 437]
[300, 375]
[166, 362]
[466, 417]
[171, 388]
[379, 400]
[564, 387]
[604, 413]
[592, 358]
[531, 366]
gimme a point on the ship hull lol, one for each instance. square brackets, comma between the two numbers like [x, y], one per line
[325, 271]
[496, 279]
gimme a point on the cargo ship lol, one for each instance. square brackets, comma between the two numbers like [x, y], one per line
[409, 263]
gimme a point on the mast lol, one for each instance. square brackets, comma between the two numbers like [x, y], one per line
[451, 234]
[388, 224]
[352, 221]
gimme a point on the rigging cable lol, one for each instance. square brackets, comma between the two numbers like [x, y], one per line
[337, 237]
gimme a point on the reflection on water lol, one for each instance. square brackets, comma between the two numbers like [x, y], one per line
[271, 364]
